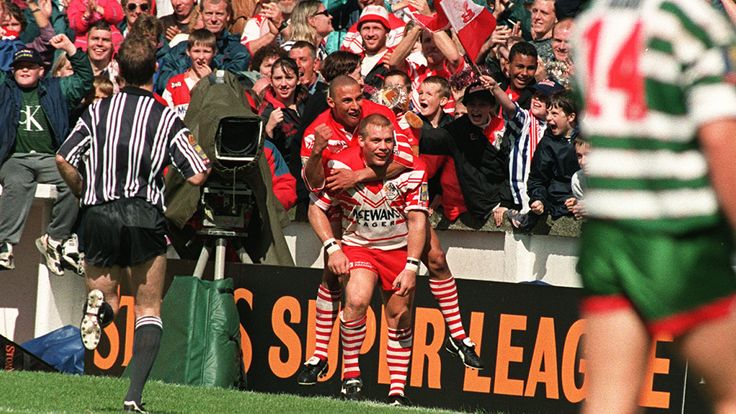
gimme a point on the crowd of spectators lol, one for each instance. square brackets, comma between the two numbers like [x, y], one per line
[497, 136]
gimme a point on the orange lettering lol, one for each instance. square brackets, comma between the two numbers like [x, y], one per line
[113, 337]
[430, 351]
[507, 354]
[473, 381]
[287, 335]
[384, 377]
[649, 397]
[545, 353]
[569, 356]
[128, 302]
[246, 346]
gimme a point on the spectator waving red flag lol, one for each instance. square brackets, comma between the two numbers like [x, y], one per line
[472, 22]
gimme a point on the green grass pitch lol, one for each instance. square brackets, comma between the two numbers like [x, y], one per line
[44, 393]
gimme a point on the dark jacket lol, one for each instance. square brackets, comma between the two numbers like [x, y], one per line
[482, 169]
[230, 55]
[552, 168]
[56, 95]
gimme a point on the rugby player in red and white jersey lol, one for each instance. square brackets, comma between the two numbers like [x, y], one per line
[383, 225]
[336, 127]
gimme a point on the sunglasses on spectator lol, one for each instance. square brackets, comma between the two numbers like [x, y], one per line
[323, 12]
[133, 6]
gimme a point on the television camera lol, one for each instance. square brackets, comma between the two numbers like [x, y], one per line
[227, 202]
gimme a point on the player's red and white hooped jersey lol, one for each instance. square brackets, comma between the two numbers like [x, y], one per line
[178, 93]
[374, 215]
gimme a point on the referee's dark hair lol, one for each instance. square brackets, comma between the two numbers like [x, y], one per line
[137, 61]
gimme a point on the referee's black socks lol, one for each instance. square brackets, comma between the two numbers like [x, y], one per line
[146, 342]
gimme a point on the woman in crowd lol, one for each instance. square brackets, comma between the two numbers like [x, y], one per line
[282, 106]
[310, 22]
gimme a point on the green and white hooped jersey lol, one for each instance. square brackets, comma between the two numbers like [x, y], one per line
[650, 73]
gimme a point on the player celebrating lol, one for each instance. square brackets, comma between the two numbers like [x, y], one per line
[336, 126]
[656, 252]
[383, 234]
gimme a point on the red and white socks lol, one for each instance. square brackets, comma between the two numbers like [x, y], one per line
[352, 335]
[445, 292]
[328, 303]
[398, 355]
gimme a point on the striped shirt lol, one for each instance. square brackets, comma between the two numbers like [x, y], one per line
[374, 214]
[125, 142]
[526, 132]
[654, 72]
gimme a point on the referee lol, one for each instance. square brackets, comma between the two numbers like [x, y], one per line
[124, 142]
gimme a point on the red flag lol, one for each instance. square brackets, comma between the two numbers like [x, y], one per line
[472, 22]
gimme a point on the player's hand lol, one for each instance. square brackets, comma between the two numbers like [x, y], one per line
[570, 203]
[338, 263]
[537, 207]
[498, 215]
[341, 180]
[322, 135]
[61, 42]
[172, 31]
[405, 282]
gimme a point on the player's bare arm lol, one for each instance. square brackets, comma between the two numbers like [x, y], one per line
[716, 138]
[337, 262]
[313, 170]
[343, 179]
[406, 280]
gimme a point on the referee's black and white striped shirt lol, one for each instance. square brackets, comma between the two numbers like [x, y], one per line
[124, 142]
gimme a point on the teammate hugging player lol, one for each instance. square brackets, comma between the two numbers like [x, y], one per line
[383, 235]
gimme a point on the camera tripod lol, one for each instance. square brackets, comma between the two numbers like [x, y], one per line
[227, 207]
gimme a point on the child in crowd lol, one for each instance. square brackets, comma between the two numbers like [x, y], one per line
[526, 129]
[575, 203]
[103, 88]
[434, 94]
[201, 50]
[554, 162]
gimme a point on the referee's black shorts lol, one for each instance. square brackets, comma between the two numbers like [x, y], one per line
[125, 232]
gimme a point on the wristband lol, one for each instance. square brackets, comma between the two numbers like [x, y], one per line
[412, 264]
[331, 246]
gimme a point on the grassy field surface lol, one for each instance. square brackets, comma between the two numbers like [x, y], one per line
[37, 393]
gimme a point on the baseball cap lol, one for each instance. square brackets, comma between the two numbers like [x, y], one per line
[374, 13]
[548, 87]
[27, 56]
[476, 90]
